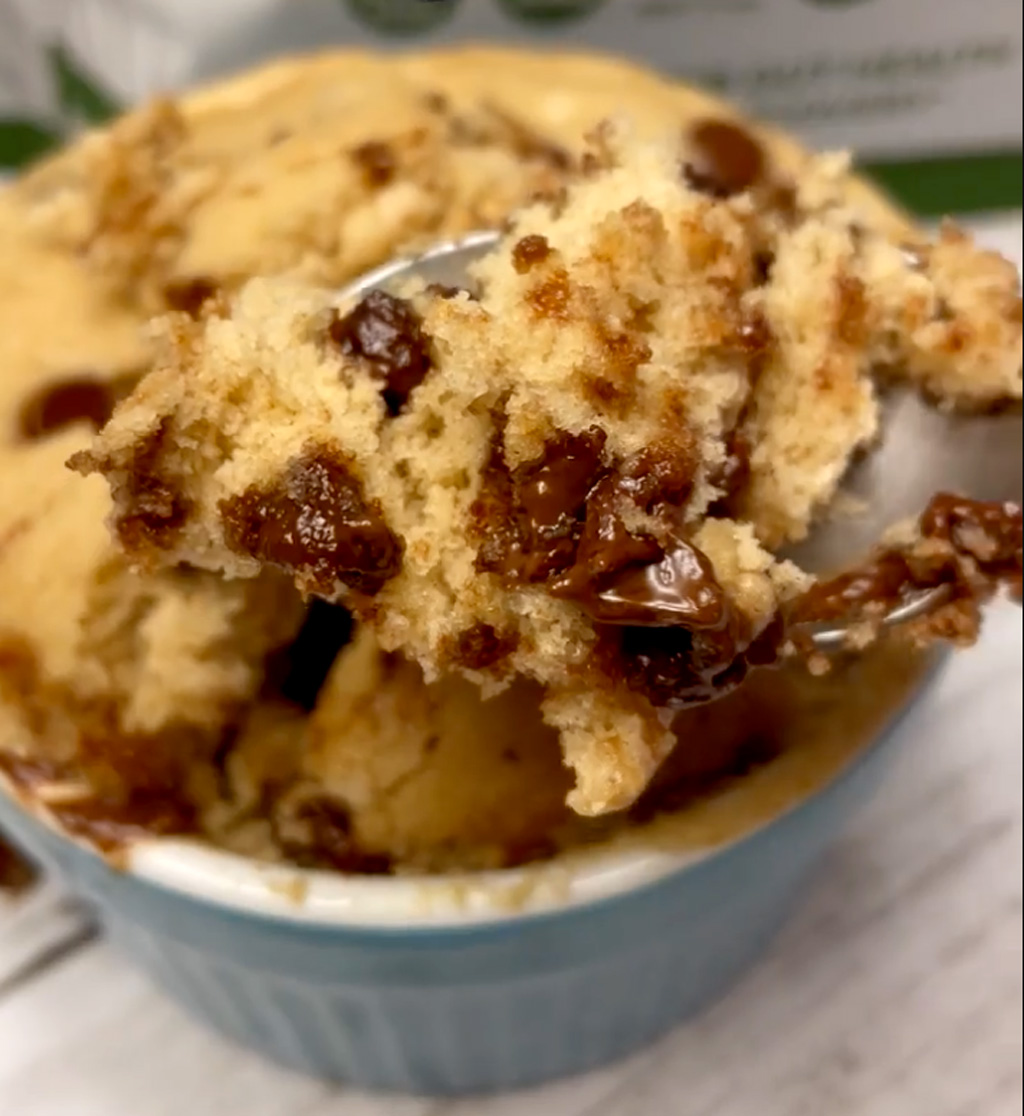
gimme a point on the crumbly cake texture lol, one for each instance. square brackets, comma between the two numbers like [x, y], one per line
[428, 776]
[395, 774]
[315, 169]
[489, 479]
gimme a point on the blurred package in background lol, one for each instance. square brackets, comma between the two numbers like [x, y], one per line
[928, 92]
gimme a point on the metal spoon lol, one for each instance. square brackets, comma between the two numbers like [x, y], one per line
[923, 450]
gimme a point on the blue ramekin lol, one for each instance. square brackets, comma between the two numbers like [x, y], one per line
[429, 1001]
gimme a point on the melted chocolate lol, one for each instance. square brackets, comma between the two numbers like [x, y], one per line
[377, 162]
[531, 518]
[551, 490]
[386, 332]
[189, 296]
[606, 545]
[111, 825]
[988, 533]
[530, 251]
[315, 522]
[666, 624]
[111, 820]
[725, 159]
[879, 583]
[80, 398]
[678, 590]
[672, 667]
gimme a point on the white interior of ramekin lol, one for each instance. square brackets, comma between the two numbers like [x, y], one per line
[471, 898]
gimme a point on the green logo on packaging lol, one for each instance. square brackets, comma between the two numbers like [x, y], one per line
[80, 101]
[404, 17]
[549, 11]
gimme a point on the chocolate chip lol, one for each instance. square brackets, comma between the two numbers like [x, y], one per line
[677, 590]
[188, 296]
[377, 162]
[559, 520]
[297, 671]
[724, 159]
[552, 489]
[676, 667]
[158, 510]
[492, 514]
[154, 508]
[530, 519]
[320, 836]
[81, 398]
[387, 333]
[606, 545]
[482, 646]
[530, 251]
[559, 515]
[315, 522]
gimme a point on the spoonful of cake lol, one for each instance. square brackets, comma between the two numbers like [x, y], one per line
[949, 472]
[606, 449]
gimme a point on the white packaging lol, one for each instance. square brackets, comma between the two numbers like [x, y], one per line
[894, 80]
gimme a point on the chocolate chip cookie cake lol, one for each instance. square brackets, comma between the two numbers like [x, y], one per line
[384, 581]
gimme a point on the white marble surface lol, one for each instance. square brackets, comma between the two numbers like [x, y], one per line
[896, 991]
